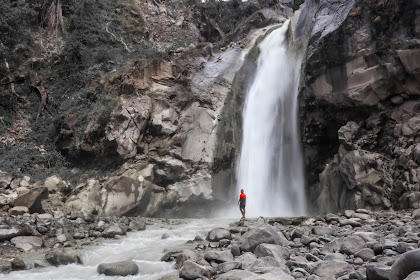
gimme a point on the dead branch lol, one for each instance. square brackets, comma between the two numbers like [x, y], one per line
[37, 86]
[11, 80]
[115, 37]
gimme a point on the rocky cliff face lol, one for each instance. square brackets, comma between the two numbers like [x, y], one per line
[125, 101]
[360, 104]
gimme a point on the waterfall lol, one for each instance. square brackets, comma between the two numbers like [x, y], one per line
[270, 166]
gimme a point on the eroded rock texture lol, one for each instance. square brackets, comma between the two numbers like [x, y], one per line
[360, 103]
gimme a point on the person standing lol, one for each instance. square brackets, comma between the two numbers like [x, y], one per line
[242, 203]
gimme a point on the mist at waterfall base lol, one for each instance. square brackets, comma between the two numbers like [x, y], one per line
[270, 165]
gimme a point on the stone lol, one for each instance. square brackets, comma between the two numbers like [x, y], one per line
[365, 254]
[228, 266]
[55, 184]
[246, 259]
[322, 230]
[192, 270]
[219, 256]
[137, 225]
[330, 268]
[8, 233]
[405, 264]
[112, 230]
[263, 234]
[5, 266]
[347, 133]
[18, 264]
[32, 199]
[410, 59]
[237, 275]
[278, 252]
[63, 256]
[88, 201]
[334, 256]
[123, 268]
[413, 276]
[416, 214]
[352, 244]
[218, 234]
[262, 263]
[27, 242]
[18, 210]
[366, 236]
[5, 180]
[377, 272]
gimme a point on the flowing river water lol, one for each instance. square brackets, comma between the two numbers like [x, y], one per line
[145, 248]
[270, 167]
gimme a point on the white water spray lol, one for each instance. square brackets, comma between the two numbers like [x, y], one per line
[270, 167]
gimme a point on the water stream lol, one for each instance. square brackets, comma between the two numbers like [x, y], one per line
[270, 167]
[145, 248]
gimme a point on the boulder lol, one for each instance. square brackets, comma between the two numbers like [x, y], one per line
[261, 264]
[330, 268]
[5, 179]
[137, 225]
[63, 256]
[405, 264]
[263, 234]
[123, 268]
[8, 233]
[366, 254]
[18, 264]
[352, 244]
[32, 199]
[218, 234]
[413, 276]
[278, 252]
[228, 266]
[18, 210]
[88, 201]
[246, 259]
[5, 266]
[55, 184]
[192, 270]
[347, 133]
[377, 272]
[112, 230]
[237, 275]
[27, 242]
[219, 256]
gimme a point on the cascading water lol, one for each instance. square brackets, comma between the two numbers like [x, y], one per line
[270, 167]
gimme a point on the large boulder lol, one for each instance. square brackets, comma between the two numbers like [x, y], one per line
[63, 256]
[88, 201]
[32, 199]
[377, 272]
[123, 268]
[405, 264]
[112, 230]
[263, 234]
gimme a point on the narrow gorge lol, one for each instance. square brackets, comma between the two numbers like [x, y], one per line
[128, 128]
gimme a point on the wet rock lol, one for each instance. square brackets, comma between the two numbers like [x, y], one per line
[32, 199]
[352, 244]
[8, 233]
[123, 268]
[27, 242]
[405, 264]
[63, 256]
[191, 270]
[264, 234]
[137, 225]
[219, 256]
[218, 234]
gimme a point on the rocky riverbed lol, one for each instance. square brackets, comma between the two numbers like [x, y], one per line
[358, 244]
